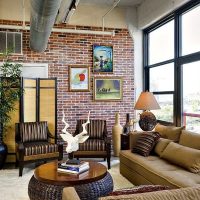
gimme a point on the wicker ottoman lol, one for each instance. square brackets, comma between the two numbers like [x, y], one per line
[47, 183]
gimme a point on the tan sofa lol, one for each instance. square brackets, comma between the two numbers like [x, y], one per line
[190, 193]
[171, 163]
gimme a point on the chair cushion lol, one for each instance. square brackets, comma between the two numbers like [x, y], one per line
[92, 145]
[34, 148]
[95, 128]
[169, 132]
[33, 131]
[182, 156]
[145, 143]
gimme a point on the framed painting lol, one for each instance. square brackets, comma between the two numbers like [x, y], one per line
[102, 59]
[107, 89]
[79, 78]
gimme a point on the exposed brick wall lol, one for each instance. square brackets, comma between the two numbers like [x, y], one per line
[66, 49]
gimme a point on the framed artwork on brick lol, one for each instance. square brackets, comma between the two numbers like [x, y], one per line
[79, 78]
[107, 89]
[103, 58]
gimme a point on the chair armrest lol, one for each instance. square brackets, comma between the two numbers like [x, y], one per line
[107, 140]
[21, 150]
[69, 193]
[51, 136]
[20, 146]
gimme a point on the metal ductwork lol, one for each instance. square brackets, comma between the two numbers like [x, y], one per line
[43, 14]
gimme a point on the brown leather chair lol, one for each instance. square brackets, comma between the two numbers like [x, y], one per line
[98, 145]
[33, 144]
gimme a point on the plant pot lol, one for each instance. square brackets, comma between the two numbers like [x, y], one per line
[3, 154]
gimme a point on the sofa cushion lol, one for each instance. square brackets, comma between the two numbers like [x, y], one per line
[169, 132]
[155, 170]
[185, 157]
[190, 139]
[145, 143]
[139, 189]
[161, 145]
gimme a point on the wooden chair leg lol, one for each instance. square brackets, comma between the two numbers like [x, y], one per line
[16, 164]
[108, 162]
[21, 166]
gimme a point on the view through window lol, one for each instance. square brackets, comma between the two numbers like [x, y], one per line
[191, 96]
[172, 66]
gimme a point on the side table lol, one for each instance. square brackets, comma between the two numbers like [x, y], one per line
[125, 139]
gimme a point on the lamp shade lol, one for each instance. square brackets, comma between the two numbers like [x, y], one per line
[146, 101]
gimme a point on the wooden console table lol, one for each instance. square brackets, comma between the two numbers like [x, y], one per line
[125, 141]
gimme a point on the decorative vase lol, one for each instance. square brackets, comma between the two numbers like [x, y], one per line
[3, 153]
[116, 135]
[126, 128]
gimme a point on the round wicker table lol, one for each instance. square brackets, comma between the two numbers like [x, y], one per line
[47, 183]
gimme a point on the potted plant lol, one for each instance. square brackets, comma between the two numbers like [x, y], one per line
[10, 92]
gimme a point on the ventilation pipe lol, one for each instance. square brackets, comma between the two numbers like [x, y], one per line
[43, 14]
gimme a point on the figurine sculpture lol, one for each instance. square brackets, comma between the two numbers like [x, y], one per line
[73, 141]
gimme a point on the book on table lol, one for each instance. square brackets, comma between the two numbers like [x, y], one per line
[74, 169]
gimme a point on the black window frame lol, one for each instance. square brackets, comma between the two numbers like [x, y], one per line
[178, 59]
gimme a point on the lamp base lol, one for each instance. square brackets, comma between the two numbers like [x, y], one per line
[147, 121]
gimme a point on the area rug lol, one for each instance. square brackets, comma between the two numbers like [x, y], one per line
[13, 187]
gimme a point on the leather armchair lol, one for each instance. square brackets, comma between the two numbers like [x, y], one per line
[33, 144]
[98, 145]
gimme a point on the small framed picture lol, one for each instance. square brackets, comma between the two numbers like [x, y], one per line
[107, 89]
[103, 58]
[79, 78]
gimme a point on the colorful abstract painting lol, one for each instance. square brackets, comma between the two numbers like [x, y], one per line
[79, 78]
[102, 58]
[107, 89]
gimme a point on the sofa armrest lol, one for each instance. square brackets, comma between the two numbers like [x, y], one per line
[69, 193]
[133, 138]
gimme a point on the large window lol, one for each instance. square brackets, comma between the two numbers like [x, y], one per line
[172, 66]
[191, 96]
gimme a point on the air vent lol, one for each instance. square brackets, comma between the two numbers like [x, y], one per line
[11, 41]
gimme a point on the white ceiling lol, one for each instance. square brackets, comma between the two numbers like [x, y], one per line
[110, 2]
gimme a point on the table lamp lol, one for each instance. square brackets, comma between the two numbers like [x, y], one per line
[147, 102]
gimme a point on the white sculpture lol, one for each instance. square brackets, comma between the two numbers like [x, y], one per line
[73, 142]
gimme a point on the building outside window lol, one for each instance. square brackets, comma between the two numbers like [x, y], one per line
[172, 66]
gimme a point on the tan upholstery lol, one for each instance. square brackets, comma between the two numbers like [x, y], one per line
[185, 157]
[190, 193]
[169, 132]
[154, 170]
[98, 145]
[33, 144]
[161, 145]
[69, 193]
[190, 139]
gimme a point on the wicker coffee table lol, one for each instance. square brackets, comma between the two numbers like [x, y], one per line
[47, 183]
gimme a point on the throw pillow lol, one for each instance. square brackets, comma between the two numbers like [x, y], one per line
[145, 143]
[139, 189]
[182, 156]
[161, 145]
[169, 132]
[190, 139]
